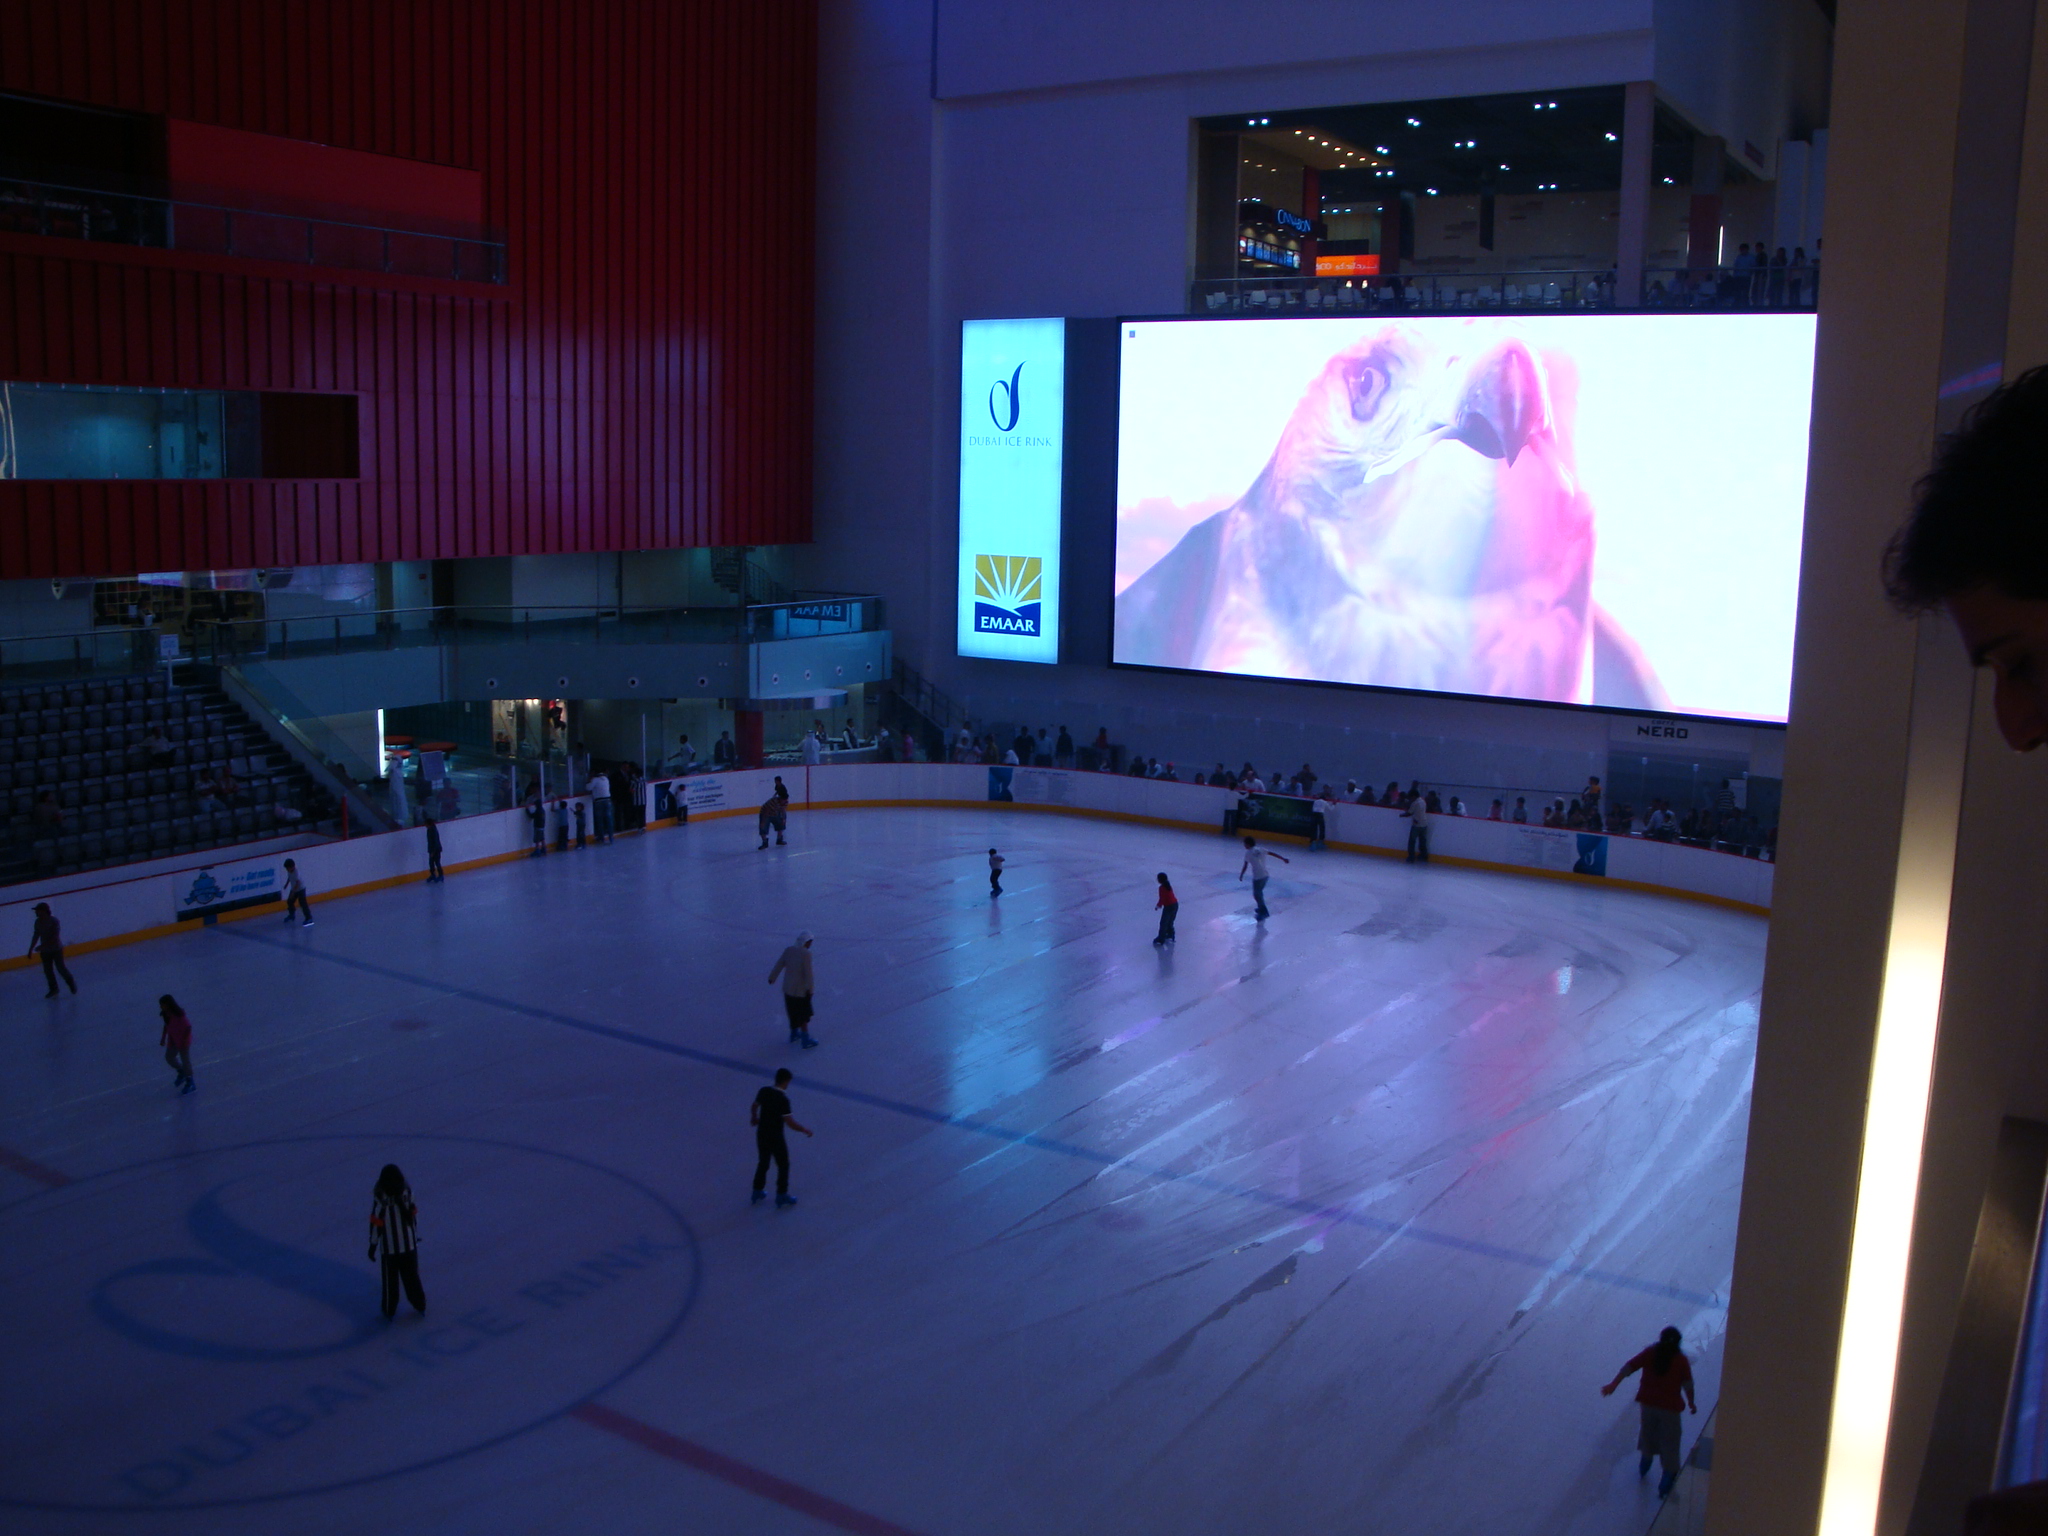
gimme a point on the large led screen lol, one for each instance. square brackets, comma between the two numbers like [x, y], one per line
[1581, 509]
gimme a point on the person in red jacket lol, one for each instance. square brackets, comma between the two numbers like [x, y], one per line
[1168, 907]
[1666, 1389]
[176, 1040]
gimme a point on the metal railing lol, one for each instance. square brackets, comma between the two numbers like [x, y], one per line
[383, 629]
[127, 218]
[1493, 292]
[118, 651]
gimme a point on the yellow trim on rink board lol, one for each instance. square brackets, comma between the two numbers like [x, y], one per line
[270, 908]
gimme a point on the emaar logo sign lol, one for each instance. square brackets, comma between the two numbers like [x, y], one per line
[1008, 605]
[1008, 590]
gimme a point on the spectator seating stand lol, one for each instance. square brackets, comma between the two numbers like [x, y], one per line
[86, 744]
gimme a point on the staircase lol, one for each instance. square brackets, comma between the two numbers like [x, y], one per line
[745, 579]
[913, 706]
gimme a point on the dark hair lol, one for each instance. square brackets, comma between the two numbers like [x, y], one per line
[1667, 1348]
[168, 1005]
[1980, 515]
[391, 1182]
[1164, 881]
[783, 1075]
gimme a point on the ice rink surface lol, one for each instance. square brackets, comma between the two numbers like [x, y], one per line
[1334, 1222]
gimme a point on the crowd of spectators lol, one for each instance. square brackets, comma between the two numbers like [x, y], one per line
[1720, 823]
[1755, 279]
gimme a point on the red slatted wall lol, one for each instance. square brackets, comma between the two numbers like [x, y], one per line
[644, 381]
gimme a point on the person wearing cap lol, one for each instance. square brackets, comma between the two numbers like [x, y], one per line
[49, 940]
[794, 967]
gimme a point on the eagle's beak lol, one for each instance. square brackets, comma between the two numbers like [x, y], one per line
[1504, 405]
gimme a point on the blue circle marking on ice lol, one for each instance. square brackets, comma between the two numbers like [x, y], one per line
[208, 1316]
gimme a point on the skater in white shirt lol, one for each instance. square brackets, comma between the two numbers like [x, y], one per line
[1255, 862]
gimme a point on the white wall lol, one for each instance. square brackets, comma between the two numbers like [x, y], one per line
[1751, 71]
[1040, 164]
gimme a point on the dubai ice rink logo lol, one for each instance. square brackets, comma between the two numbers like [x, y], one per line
[1013, 402]
[232, 1283]
[1007, 589]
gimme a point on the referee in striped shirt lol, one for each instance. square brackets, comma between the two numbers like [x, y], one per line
[394, 1238]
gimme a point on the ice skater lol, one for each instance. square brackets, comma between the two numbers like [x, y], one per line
[295, 895]
[1667, 1377]
[1255, 862]
[771, 1113]
[1168, 906]
[794, 967]
[176, 1040]
[537, 813]
[581, 840]
[995, 873]
[601, 804]
[435, 874]
[774, 813]
[395, 1239]
[1417, 812]
[48, 939]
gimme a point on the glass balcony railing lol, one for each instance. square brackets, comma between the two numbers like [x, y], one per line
[124, 218]
[114, 651]
[806, 615]
[1491, 292]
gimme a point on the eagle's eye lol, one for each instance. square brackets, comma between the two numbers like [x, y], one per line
[1368, 385]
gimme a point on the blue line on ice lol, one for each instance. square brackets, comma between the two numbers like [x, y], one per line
[1291, 1203]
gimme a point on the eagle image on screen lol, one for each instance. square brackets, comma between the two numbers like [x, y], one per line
[1419, 524]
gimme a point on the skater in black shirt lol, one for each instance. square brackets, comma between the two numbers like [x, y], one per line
[434, 870]
[49, 939]
[771, 1112]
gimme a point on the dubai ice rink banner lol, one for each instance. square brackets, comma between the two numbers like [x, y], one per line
[1582, 509]
[1012, 437]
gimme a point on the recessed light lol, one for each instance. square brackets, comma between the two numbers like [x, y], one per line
[1414, 122]
[1613, 138]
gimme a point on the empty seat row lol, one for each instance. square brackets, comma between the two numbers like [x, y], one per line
[204, 757]
[112, 690]
[32, 722]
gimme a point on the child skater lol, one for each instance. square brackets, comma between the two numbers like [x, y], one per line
[995, 873]
[1168, 906]
[395, 1239]
[176, 1040]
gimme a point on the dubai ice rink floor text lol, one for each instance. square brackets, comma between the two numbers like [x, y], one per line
[1337, 1221]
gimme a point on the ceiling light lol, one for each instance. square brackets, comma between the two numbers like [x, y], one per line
[1432, 191]
[1614, 138]
[1503, 167]
[1414, 122]
[1669, 182]
[1382, 149]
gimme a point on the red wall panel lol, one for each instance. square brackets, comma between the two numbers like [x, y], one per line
[642, 382]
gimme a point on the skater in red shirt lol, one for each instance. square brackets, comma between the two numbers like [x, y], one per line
[1168, 907]
[1666, 1388]
[176, 1040]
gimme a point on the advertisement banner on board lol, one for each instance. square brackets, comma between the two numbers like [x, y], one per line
[202, 893]
[690, 796]
[1579, 853]
[1012, 444]
[1275, 813]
